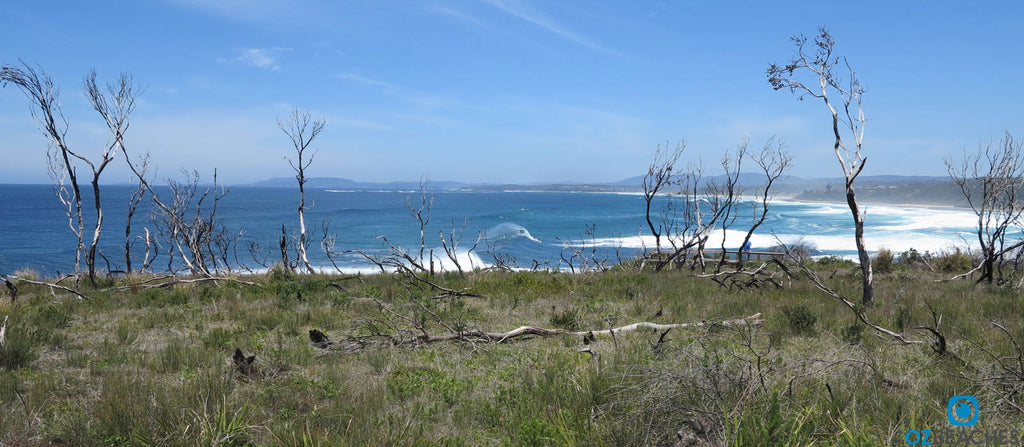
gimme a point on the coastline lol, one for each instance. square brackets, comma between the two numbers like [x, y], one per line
[934, 206]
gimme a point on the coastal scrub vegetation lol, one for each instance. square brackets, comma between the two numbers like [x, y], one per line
[136, 365]
[690, 343]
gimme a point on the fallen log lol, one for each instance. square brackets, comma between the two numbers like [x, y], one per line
[355, 343]
[80, 295]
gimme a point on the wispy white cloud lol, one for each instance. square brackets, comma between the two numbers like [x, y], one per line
[260, 57]
[519, 11]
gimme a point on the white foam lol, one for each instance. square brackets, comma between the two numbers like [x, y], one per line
[509, 230]
[893, 227]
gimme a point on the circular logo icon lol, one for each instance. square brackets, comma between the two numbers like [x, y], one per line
[962, 411]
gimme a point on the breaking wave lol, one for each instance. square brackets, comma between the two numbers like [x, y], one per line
[509, 230]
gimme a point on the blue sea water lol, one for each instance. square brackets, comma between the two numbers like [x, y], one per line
[528, 227]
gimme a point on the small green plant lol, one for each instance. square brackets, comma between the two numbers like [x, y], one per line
[219, 338]
[222, 426]
[408, 383]
[126, 332]
[799, 319]
[568, 319]
[19, 348]
[771, 426]
[852, 334]
[902, 317]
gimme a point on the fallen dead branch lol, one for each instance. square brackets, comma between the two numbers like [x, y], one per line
[751, 278]
[148, 285]
[80, 295]
[412, 338]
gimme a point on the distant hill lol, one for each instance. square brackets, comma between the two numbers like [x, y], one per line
[924, 190]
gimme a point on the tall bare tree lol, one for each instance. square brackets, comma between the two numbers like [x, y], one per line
[659, 176]
[991, 180]
[729, 189]
[774, 161]
[691, 207]
[821, 74]
[115, 107]
[38, 86]
[302, 129]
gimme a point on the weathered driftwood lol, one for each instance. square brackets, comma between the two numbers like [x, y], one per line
[354, 343]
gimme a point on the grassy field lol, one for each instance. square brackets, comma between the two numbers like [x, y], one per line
[137, 366]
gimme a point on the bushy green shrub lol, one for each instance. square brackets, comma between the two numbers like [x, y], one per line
[834, 261]
[852, 333]
[568, 319]
[883, 261]
[913, 259]
[955, 262]
[799, 319]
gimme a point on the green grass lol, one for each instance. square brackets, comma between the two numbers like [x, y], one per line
[152, 367]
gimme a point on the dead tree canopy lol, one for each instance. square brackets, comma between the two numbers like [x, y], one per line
[114, 105]
[991, 180]
[38, 87]
[821, 74]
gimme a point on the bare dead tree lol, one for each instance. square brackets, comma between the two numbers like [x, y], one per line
[451, 243]
[659, 176]
[991, 179]
[38, 86]
[69, 200]
[115, 110]
[189, 224]
[115, 107]
[774, 161]
[137, 194]
[422, 215]
[582, 253]
[729, 192]
[503, 260]
[699, 208]
[302, 129]
[830, 78]
[328, 242]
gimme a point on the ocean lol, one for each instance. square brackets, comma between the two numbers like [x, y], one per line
[527, 228]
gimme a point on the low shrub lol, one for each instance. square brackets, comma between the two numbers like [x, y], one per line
[956, 262]
[883, 261]
[799, 319]
[19, 347]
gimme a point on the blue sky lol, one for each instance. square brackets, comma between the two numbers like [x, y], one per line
[508, 91]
